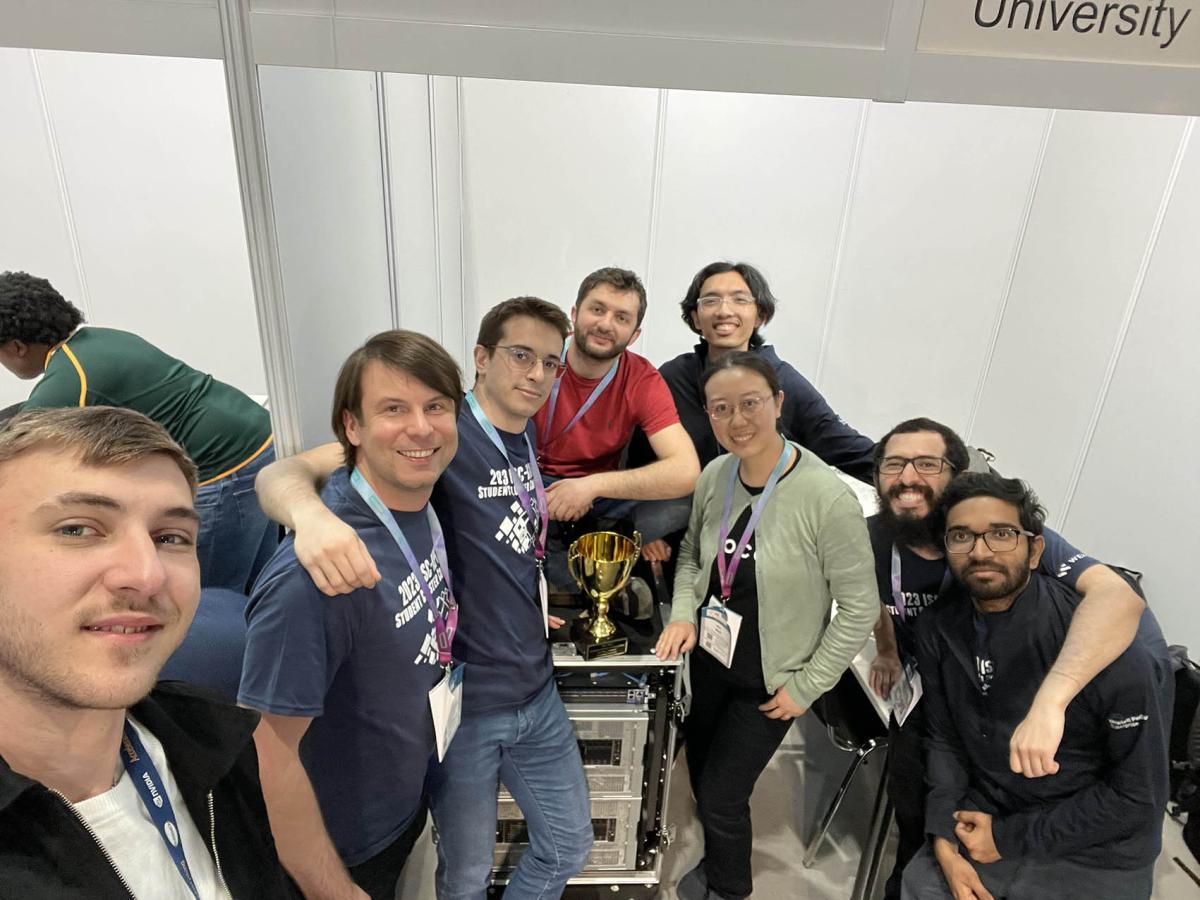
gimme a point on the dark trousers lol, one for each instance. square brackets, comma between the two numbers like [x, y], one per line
[380, 874]
[906, 787]
[729, 743]
[1018, 879]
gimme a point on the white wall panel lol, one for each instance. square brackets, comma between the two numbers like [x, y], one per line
[757, 178]
[1099, 190]
[1136, 499]
[413, 202]
[147, 158]
[323, 149]
[557, 183]
[939, 196]
[34, 235]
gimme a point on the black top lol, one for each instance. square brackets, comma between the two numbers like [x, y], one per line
[746, 669]
[1104, 806]
[46, 852]
[807, 417]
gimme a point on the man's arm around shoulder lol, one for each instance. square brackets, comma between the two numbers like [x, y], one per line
[329, 550]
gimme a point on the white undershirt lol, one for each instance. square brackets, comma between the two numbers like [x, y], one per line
[126, 831]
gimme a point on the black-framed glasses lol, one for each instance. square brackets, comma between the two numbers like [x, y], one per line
[522, 359]
[737, 301]
[924, 465]
[998, 540]
[748, 406]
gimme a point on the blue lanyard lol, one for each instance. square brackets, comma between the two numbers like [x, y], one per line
[725, 570]
[444, 626]
[544, 439]
[153, 791]
[535, 509]
[897, 594]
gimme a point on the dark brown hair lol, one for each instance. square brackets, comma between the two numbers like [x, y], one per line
[406, 351]
[619, 280]
[491, 328]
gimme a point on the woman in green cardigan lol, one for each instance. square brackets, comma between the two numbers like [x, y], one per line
[774, 536]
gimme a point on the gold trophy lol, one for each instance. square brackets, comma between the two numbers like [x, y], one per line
[600, 563]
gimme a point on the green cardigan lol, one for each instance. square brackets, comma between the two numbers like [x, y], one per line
[810, 546]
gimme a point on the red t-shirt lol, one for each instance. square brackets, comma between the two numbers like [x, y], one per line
[637, 396]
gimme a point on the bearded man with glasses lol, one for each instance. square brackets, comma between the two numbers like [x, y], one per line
[1094, 827]
[915, 464]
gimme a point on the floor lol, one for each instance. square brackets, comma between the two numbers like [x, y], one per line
[784, 812]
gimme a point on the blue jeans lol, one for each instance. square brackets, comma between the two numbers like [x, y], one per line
[236, 537]
[211, 653]
[533, 750]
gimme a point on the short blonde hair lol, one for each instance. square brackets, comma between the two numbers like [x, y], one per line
[98, 435]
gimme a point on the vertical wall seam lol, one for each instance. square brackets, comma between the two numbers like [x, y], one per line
[660, 140]
[1010, 277]
[435, 199]
[64, 191]
[1135, 294]
[468, 344]
[839, 249]
[385, 174]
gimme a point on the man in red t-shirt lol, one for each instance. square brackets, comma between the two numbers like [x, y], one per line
[605, 392]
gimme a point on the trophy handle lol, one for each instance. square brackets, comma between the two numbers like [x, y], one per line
[637, 545]
[574, 561]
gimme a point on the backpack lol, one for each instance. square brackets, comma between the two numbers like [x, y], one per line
[1184, 747]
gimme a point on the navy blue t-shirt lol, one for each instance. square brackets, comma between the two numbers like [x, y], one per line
[361, 666]
[489, 546]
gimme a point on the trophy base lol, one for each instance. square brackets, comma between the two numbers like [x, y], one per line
[597, 648]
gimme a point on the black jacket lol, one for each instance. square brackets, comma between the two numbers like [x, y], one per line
[46, 852]
[1104, 807]
[807, 418]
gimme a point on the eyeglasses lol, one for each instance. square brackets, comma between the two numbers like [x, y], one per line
[998, 540]
[714, 301]
[924, 465]
[748, 406]
[522, 359]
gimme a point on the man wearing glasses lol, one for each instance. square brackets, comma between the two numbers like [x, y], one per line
[1093, 828]
[726, 304]
[492, 507]
[915, 463]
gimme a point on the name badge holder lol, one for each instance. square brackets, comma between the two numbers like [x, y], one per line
[536, 508]
[720, 625]
[153, 792]
[445, 698]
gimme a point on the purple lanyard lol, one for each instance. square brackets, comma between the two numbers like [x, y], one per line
[535, 508]
[897, 594]
[544, 439]
[727, 570]
[444, 626]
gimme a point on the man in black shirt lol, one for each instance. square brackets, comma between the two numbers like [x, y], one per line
[915, 463]
[1092, 829]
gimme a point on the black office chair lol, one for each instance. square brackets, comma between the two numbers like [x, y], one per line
[853, 726]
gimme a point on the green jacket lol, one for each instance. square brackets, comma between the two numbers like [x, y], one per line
[810, 546]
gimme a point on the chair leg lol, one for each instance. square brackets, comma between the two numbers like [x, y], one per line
[860, 756]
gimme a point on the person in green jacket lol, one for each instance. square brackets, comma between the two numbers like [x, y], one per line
[774, 536]
[226, 433]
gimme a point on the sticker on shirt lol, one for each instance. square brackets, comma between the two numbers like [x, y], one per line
[445, 702]
[719, 627]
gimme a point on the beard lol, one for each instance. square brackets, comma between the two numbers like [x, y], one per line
[587, 349]
[906, 530]
[1012, 582]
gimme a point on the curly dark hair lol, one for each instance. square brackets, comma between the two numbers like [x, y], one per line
[32, 311]
[1031, 514]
